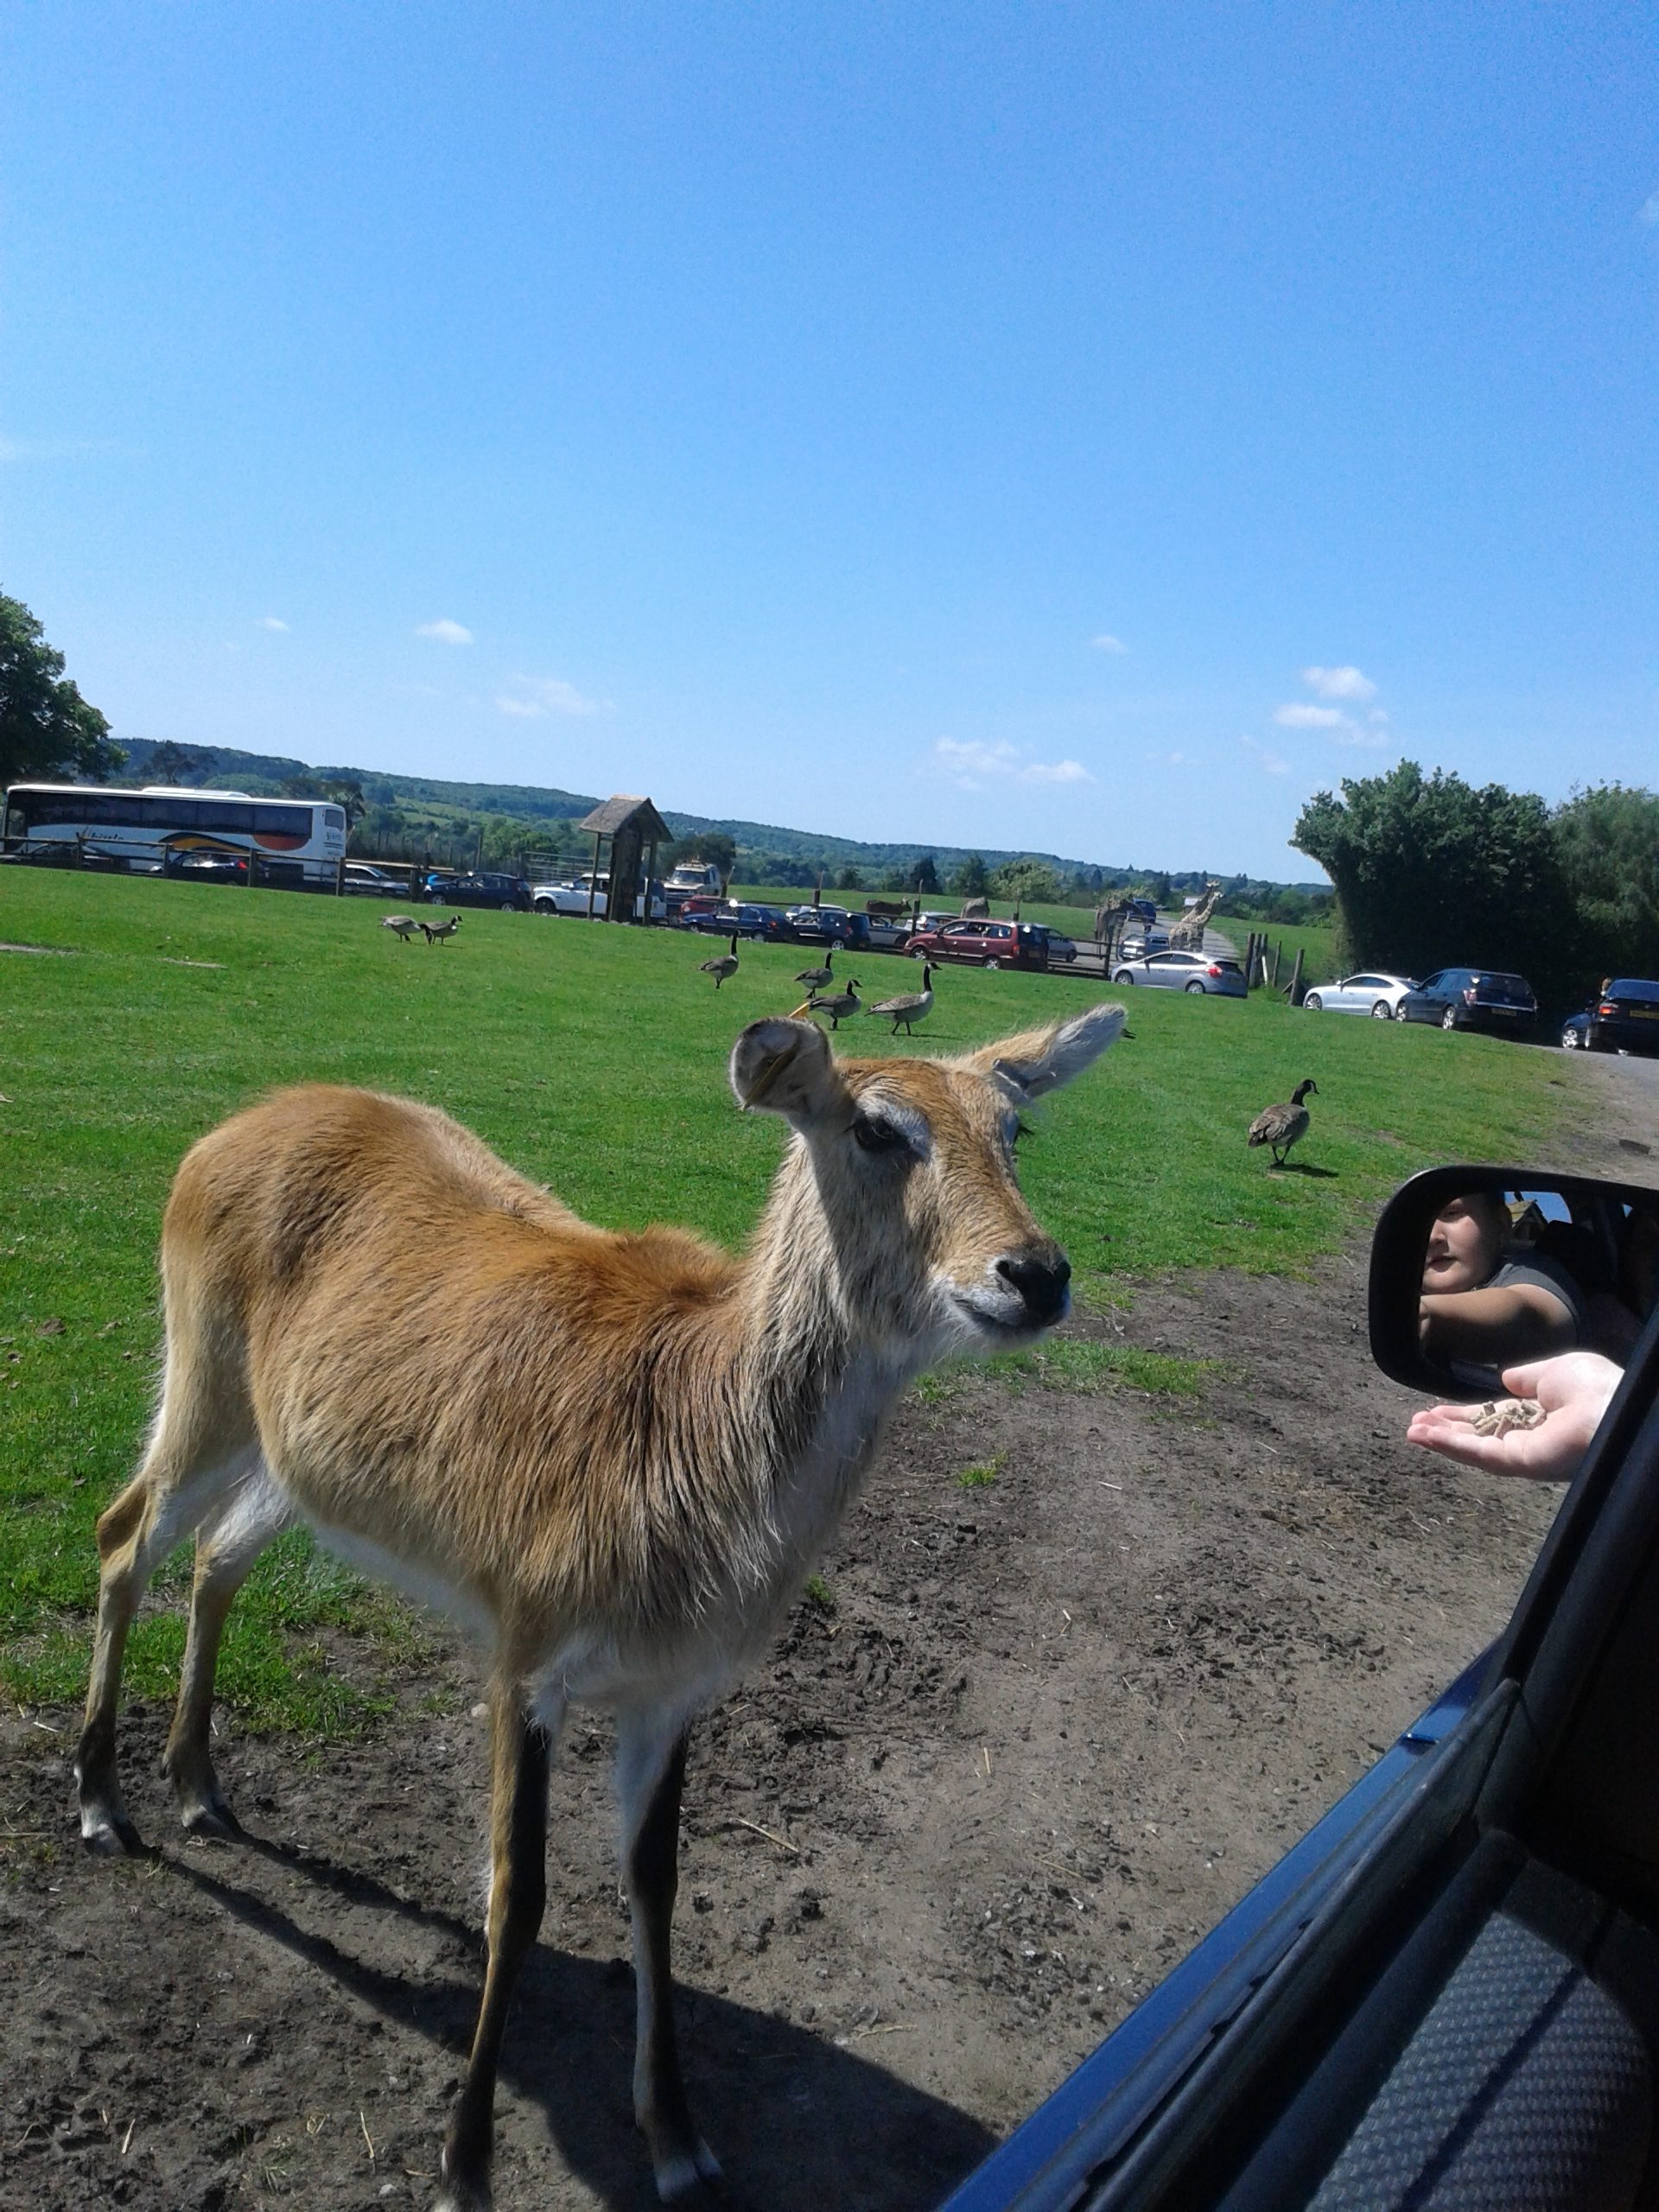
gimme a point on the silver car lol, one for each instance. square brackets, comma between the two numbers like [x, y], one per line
[1186, 971]
[1374, 993]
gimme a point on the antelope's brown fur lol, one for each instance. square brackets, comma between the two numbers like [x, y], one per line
[613, 1454]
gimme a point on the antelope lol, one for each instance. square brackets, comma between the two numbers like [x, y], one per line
[402, 927]
[435, 932]
[615, 1456]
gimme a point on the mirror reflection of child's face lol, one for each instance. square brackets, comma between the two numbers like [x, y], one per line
[1465, 1243]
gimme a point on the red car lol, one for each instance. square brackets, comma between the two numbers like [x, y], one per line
[987, 945]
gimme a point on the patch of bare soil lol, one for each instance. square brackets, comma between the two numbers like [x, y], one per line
[1031, 1739]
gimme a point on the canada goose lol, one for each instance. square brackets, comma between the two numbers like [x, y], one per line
[402, 927]
[723, 966]
[816, 978]
[840, 1006]
[437, 931]
[1281, 1125]
[910, 1006]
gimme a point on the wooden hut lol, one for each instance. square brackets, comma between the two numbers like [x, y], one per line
[634, 830]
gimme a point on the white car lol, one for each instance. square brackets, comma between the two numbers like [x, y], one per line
[571, 897]
[1374, 993]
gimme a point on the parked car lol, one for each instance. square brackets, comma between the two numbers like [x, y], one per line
[510, 892]
[208, 867]
[820, 924]
[1447, 1994]
[830, 926]
[1472, 998]
[684, 906]
[1375, 993]
[744, 918]
[1623, 1017]
[368, 882]
[1143, 941]
[1184, 971]
[571, 896]
[985, 944]
[1061, 948]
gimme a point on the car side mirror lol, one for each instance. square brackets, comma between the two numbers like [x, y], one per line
[1477, 1269]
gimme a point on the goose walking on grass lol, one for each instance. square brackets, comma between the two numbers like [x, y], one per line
[722, 965]
[819, 979]
[402, 927]
[910, 1006]
[840, 1006]
[1284, 1125]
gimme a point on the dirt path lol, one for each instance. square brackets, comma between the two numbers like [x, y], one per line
[1041, 1734]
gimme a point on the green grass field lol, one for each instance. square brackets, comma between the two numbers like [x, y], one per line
[594, 1058]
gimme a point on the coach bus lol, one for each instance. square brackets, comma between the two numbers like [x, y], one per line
[299, 843]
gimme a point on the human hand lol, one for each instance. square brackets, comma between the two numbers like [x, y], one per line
[1574, 1390]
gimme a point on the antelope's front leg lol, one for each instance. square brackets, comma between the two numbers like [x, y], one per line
[650, 1771]
[522, 1749]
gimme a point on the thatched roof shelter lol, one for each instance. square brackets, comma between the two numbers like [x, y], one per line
[635, 829]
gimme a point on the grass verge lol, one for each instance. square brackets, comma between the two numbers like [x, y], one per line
[594, 1058]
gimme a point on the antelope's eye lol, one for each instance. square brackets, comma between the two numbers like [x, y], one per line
[871, 1135]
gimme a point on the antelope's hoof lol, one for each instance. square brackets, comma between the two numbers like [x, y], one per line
[212, 1823]
[110, 1835]
[692, 2180]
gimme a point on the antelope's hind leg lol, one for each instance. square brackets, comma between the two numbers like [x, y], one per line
[649, 1774]
[172, 1493]
[228, 1545]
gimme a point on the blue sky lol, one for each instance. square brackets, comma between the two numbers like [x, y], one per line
[1092, 429]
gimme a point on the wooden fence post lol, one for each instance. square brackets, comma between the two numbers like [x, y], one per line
[1294, 993]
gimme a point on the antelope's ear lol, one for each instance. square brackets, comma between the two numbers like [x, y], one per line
[1040, 1060]
[785, 1067]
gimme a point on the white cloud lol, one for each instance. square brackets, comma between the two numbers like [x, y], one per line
[1057, 772]
[270, 622]
[1107, 644]
[547, 694]
[1339, 682]
[1376, 714]
[967, 763]
[446, 631]
[1299, 715]
[1271, 764]
[1649, 214]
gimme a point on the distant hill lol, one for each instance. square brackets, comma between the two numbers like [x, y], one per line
[757, 842]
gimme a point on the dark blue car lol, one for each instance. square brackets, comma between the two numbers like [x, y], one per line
[1623, 1017]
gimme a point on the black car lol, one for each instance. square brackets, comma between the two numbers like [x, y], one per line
[1623, 1017]
[1473, 998]
[510, 892]
[746, 919]
[1446, 1996]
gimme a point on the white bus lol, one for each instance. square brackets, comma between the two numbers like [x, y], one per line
[295, 841]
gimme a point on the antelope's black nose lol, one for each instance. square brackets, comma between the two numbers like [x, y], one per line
[1042, 1285]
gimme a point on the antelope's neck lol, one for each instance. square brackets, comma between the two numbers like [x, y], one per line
[819, 1387]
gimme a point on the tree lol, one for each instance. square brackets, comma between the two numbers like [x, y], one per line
[1026, 880]
[1428, 868]
[972, 880]
[716, 848]
[924, 874]
[1162, 892]
[46, 729]
[848, 879]
[177, 764]
[1607, 847]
